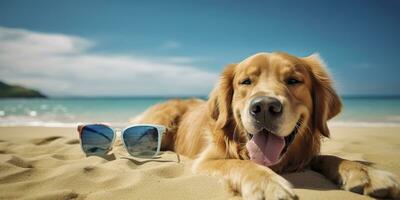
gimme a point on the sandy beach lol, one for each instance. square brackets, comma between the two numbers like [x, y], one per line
[47, 163]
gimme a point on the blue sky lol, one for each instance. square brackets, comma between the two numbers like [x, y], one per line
[178, 47]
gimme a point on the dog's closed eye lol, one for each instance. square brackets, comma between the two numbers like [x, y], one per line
[293, 81]
[246, 81]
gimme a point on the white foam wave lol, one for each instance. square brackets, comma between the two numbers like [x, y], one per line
[56, 124]
[122, 124]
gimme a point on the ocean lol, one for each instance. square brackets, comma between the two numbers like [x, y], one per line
[357, 111]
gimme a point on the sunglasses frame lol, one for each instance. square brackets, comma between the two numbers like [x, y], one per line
[160, 129]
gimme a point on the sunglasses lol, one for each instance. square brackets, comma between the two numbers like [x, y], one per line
[141, 140]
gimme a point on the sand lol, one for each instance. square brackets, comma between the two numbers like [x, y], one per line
[47, 163]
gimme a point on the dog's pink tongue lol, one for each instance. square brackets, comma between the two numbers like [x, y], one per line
[265, 149]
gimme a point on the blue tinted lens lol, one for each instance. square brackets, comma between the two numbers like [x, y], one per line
[96, 139]
[141, 141]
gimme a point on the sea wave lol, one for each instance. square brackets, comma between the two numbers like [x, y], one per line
[13, 121]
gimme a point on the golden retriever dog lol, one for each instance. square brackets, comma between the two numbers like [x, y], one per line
[266, 116]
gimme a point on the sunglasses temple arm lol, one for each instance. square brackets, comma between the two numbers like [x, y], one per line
[161, 129]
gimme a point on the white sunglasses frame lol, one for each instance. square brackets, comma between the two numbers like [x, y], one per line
[160, 129]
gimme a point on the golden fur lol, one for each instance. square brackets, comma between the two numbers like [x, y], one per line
[214, 132]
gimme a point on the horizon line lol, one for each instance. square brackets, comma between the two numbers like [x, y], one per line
[346, 96]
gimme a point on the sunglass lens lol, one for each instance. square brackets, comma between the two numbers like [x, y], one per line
[141, 141]
[96, 139]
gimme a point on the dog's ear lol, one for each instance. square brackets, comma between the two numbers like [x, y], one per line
[326, 103]
[220, 100]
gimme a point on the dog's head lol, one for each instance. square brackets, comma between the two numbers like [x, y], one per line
[272, 97]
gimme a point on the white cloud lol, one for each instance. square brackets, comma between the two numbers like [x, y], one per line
[59, 64]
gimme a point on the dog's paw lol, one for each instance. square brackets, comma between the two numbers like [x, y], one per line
[371, 182]
[267, 187]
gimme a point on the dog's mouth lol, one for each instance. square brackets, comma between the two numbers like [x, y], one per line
[267, 148]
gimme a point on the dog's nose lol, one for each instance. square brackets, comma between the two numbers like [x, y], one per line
[265, 108]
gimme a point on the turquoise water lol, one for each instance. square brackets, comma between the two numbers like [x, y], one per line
[381, 110]
[62, 111]
[72, 110]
